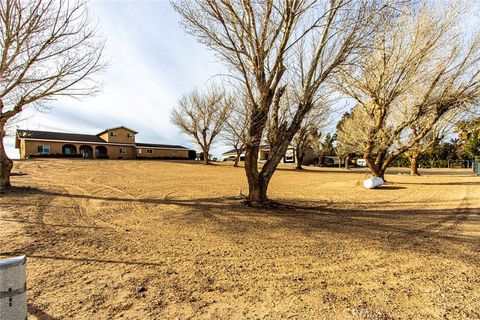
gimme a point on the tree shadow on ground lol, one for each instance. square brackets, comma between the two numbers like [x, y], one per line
[426, 231]
[38, 313]
[14, 174]
[23, 221]
[456, 183]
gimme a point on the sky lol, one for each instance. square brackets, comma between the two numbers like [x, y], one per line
[152, 63]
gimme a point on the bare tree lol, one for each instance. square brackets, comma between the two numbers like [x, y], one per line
[202, 115]
[235, 131]
[49, 48]
[353, 132]
[439, 131]
[309, 135]
[344, 135]
[254, 39]
[419, 69]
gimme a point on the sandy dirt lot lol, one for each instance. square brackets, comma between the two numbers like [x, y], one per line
[166, 240]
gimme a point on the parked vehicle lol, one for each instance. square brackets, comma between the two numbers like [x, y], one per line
[361, 163]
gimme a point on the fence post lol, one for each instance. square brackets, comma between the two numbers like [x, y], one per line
[13, 288]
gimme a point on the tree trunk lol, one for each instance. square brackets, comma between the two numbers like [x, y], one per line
[6, 165]
[320, 160]
[257, 186]
[346, 162]
[257, 190]
[299, 158]
[258, 181]
[206, 159]
[376, 170]
[414, 164]
[237, 158]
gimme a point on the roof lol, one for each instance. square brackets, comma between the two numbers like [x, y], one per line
[120, 127]
[234, 151]
[76, 137]
[49, 135]
[230, 151]
[166, 146]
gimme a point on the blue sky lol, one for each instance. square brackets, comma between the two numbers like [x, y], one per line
[152, 63]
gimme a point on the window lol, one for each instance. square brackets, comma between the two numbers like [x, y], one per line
[43, 149]
[149, 151]
[123, 151]
[139, 151]
[113, 134]
[129, 135]
[174, 152]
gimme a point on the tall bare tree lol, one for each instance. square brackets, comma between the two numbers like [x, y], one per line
[235, 131]
[49, 48]
[421, 67]
[308, 137]
[202, 115]
[254, 38]
[439, 131]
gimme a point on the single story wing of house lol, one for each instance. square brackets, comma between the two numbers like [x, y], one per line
[264, 151]
[113, 143]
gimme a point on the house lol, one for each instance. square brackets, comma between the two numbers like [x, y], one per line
[113, 143]
[289, 156]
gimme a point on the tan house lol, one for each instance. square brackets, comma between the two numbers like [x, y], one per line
[114, 143]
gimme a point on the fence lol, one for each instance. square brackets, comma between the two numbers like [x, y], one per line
[476, 166]
[434, 163]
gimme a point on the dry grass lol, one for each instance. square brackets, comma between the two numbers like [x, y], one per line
[159, 240]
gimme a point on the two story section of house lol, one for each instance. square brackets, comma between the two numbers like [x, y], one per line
[114, 143]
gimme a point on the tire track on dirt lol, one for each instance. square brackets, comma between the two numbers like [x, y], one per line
[451, 221]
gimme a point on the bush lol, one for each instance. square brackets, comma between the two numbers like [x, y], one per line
[56, 155]
[425, 162]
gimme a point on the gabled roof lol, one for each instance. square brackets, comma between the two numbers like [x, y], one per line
[263, 147]
[86, 138]
[229, 152]
[120, 127]
[49, 135]
[166, 146]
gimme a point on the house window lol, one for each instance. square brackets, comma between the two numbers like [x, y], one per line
[139, 151]
[174, 152]
[123, 151]
[149, 151]
[43, 149]
[113, 134]
[129, 135]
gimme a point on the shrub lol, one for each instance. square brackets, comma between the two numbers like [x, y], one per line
[56, 155]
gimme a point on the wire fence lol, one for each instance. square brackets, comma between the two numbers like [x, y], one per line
[476, 166]
[435, 163]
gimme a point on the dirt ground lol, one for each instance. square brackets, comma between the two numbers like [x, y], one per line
[165, 240]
